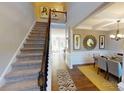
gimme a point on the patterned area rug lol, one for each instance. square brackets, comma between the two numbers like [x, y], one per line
[98, 79]
[64, 81]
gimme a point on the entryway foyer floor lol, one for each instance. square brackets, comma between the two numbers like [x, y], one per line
[81, 82]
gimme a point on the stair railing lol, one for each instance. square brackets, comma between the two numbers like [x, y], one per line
[42, 78]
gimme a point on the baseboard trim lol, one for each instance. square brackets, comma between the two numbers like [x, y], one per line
[13, 59]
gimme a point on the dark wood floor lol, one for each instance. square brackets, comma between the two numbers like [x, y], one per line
[81, 81]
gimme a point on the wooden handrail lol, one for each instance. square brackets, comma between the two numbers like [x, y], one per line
[42, 79]
[63, 12]
[59, 11]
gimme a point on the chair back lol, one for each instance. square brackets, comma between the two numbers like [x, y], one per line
[115, 68]
[102, 63]
[95, 57]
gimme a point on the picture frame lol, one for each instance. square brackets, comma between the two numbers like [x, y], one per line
[76, 41]
[54, 15]
[44, 11]
[101, 41]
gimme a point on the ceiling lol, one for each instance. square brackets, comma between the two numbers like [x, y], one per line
[105, 19]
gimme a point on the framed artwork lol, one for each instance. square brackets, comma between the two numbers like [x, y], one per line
[76, 41]
[54, 15]
[89, 42]
[44, 12]
[101, 41]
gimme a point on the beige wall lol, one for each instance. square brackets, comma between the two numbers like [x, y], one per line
[78, 11]
[15, 21]
[37, 9]
[116, 45]
[96, 34]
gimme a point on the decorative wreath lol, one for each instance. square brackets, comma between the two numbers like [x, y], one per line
[89, 42]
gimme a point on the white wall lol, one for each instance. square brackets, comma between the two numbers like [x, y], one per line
[15, 21]
[58, 36]
[85, 57]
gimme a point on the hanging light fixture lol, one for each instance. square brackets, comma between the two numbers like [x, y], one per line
[117, 36]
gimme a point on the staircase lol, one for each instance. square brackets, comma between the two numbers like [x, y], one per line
[25, 71]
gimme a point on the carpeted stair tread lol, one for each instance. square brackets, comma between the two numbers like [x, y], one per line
[32, 89]
[31, 50]
[28, 49]
[38, 32]
[20, 75]
[38, 39]
[35, 39]
[30, 44]
[26, 63]
[35, 30]
[21, 86]
[40, 27]
[30, 66]
[30, 54]
[18, 61]
[33, 45]
[41, 23]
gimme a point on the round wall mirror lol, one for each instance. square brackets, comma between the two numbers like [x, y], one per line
[89, 42]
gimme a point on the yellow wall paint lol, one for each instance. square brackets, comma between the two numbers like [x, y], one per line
[37, 6]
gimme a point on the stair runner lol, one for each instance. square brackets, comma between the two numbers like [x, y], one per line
[24, 73]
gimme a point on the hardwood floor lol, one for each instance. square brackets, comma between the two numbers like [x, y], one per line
[81, 81]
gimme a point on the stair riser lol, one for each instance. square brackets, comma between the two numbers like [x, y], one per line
[33, 45]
